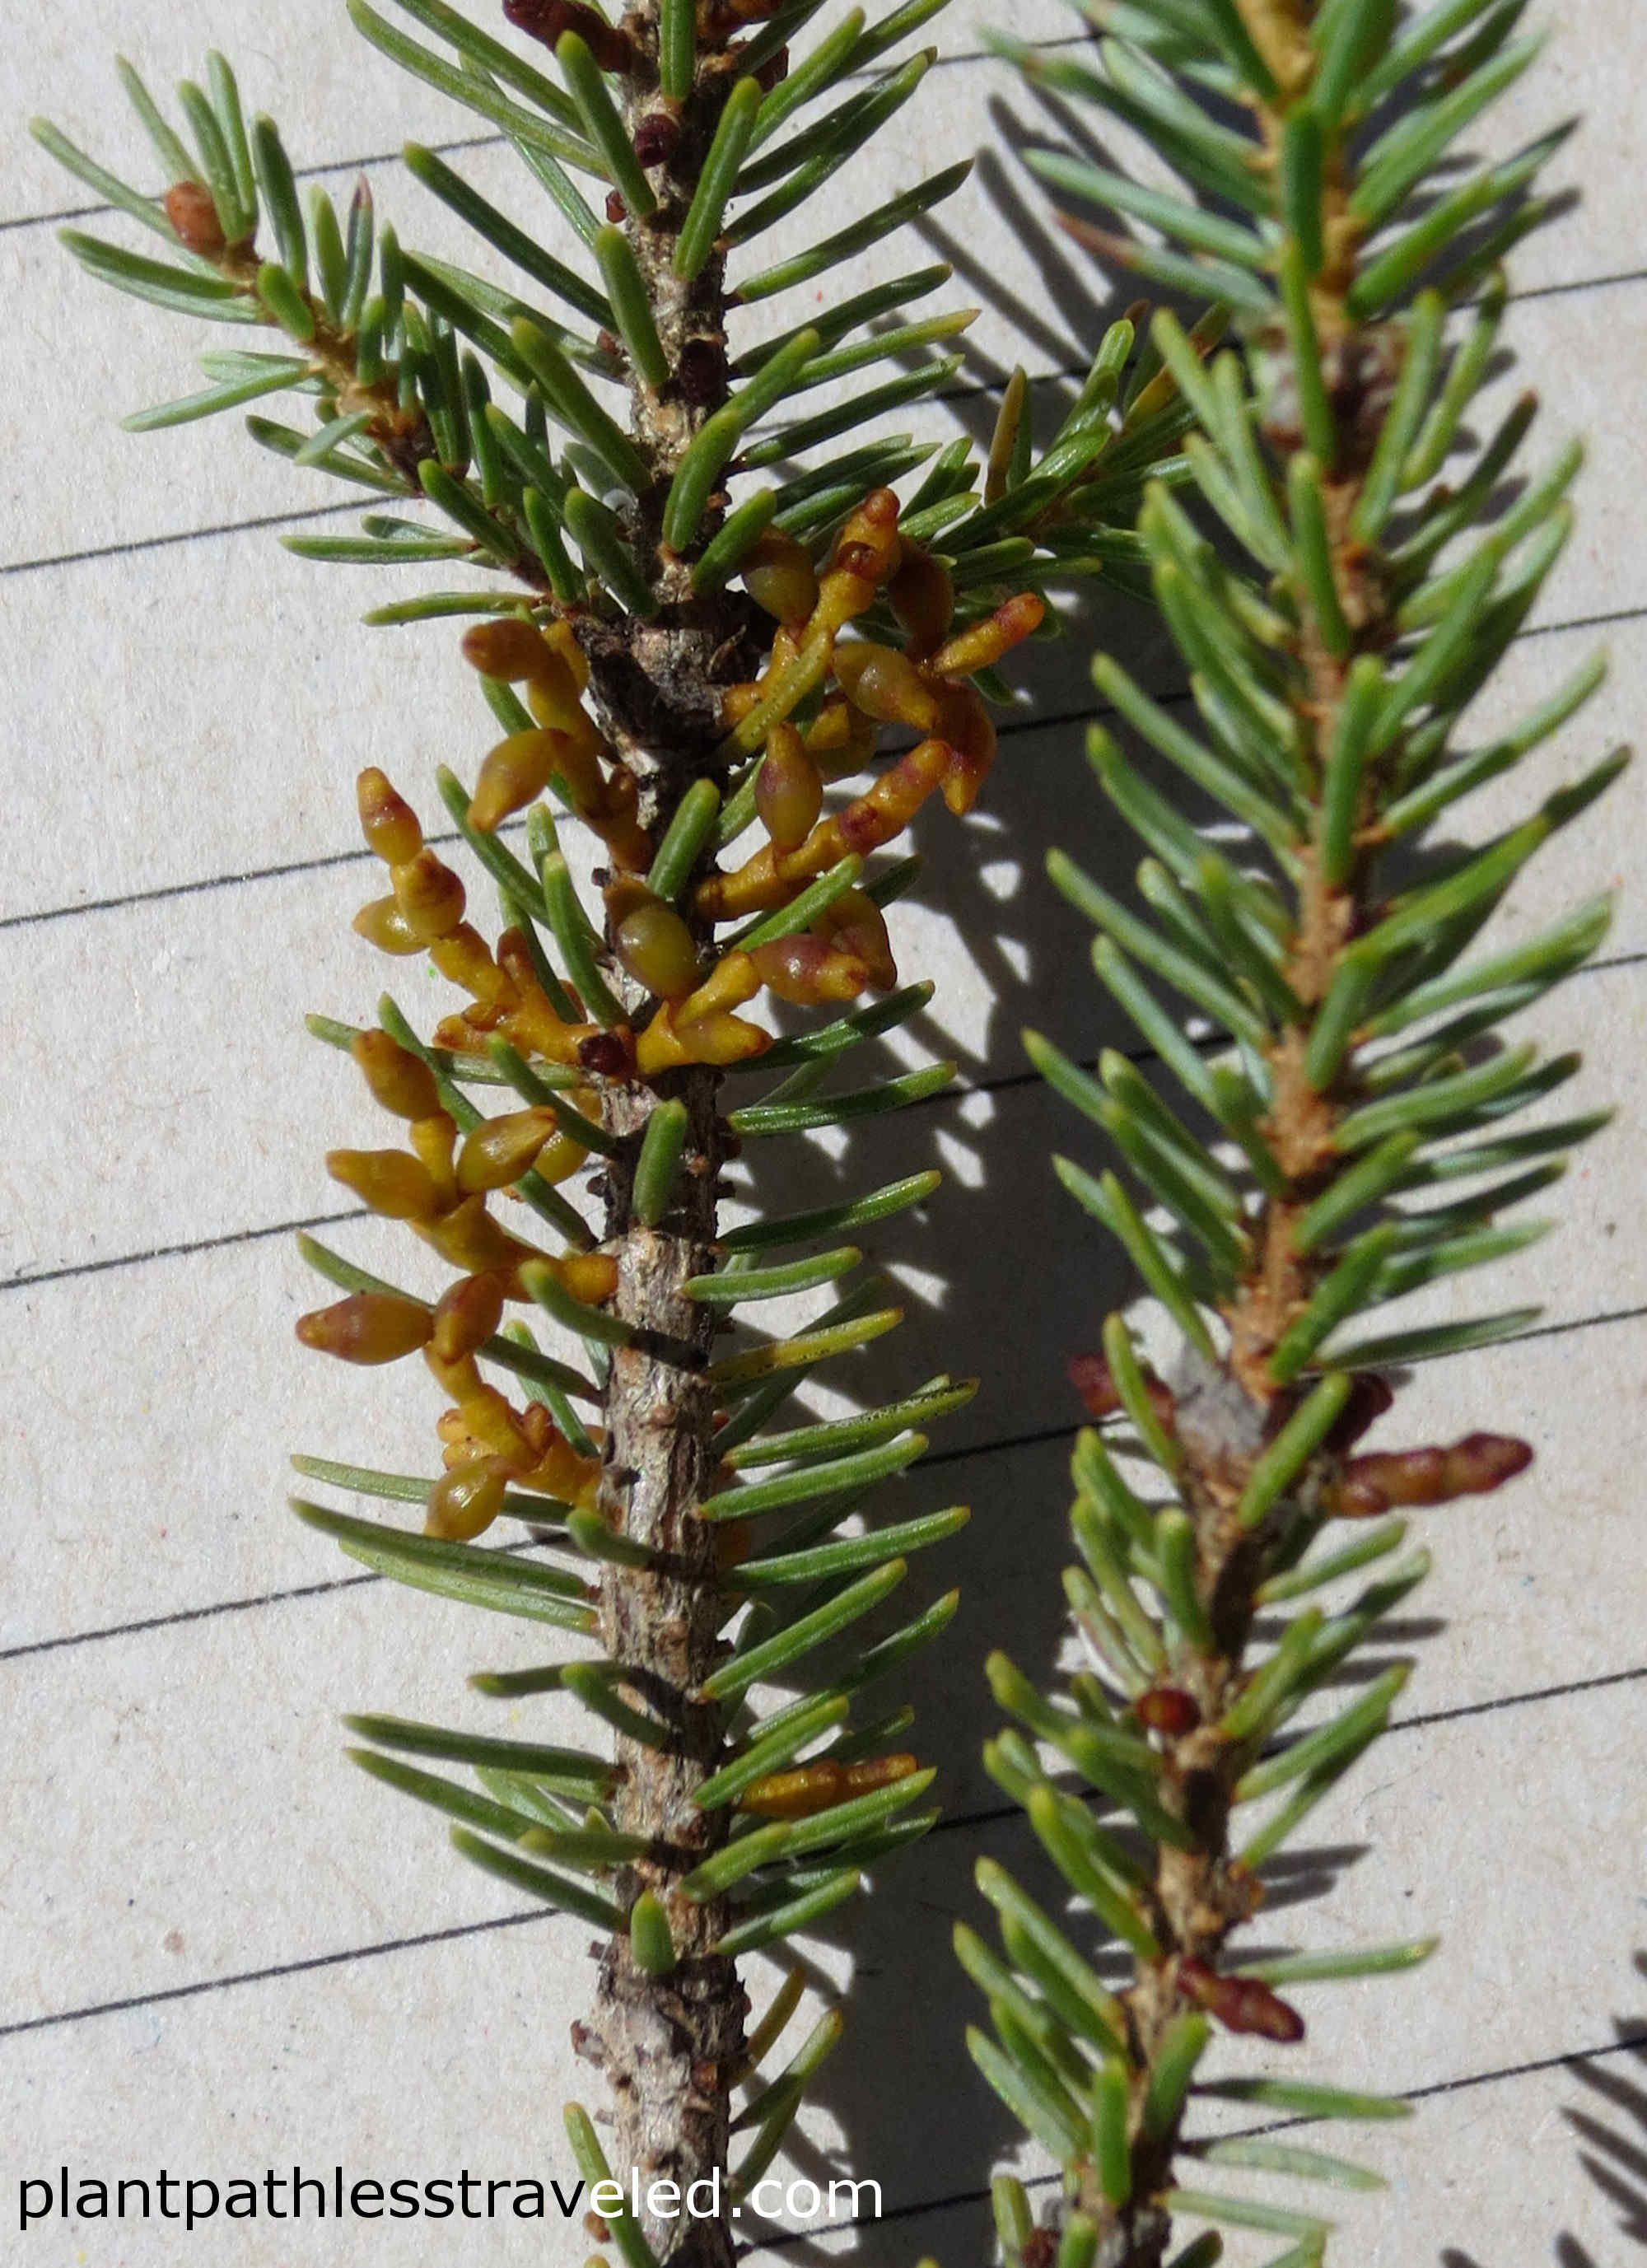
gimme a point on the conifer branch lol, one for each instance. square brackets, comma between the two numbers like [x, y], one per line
[711, 612]
[1350, 608]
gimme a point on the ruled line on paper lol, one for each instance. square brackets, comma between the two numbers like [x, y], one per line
[1008, 728]
[959, 1090]
[960, 389]
[1003, 1445]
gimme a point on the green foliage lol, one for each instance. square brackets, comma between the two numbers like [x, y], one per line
[1281, 1179]
[380, 328]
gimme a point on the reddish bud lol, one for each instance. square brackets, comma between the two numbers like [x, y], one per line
[855, 925]
[1167, 1709]
[1474, 1465]
[606, 1053]
[1370, 1396]
[1089, 1374]
[193, 217]
[617, 212]
[968, 728]
[808, 970]
[546, 20]
[922, 598]
[656, 137]
[985, 642]
[1241, 2004]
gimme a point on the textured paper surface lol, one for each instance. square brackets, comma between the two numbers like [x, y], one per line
[223, 1951]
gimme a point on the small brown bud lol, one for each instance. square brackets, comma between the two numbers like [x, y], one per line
[368, 1327]
[1368, 1397]
[701, 371]
[1474, 1465]
[1167, 1709]
[656, 137]
[1089, 1374]
[1241, 2004]
[617, 212]
[193, 217]
[606, 1053]
[921, 597]
[546, 20]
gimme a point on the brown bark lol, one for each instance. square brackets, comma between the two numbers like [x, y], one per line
[669, 2043]
[668, 2046]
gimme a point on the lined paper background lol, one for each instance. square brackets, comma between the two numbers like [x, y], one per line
[221, 1949]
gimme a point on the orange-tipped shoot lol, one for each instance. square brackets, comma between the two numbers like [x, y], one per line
[779, 576]
[789, 788]
[651, 940]
[387, 820]
[797, 1794]
[466, 1316]
[885, 685]
[367, 1326]
[387, 1181]
[400, 1082]
[499, 1151]
[463, 1503]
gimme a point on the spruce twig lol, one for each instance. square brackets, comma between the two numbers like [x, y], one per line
[697, 615]
[1355, 1067]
